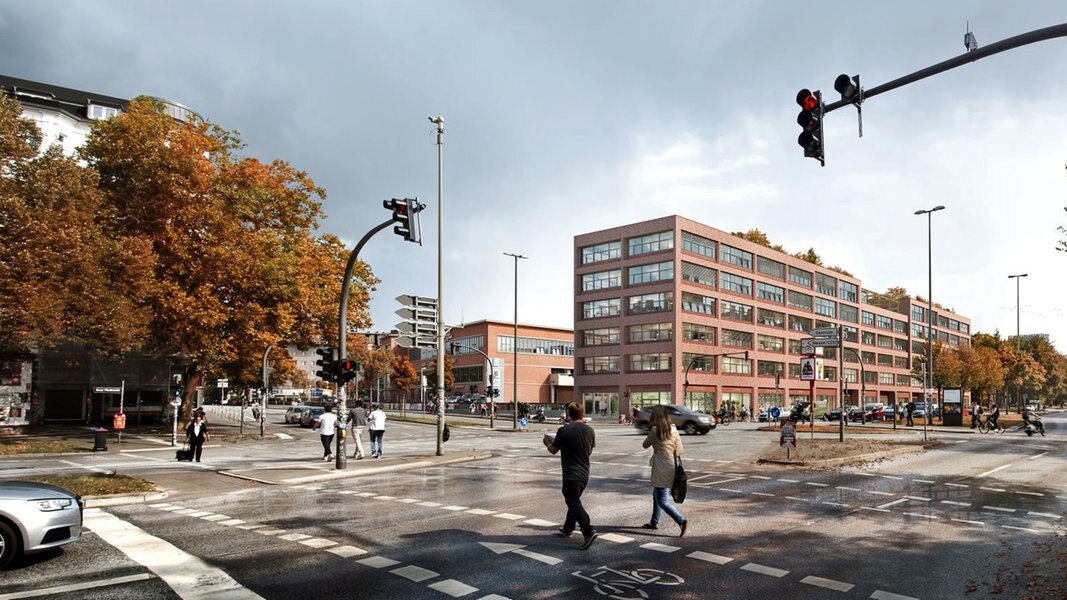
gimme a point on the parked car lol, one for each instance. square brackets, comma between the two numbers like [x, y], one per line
[764, 415]
[36, 517]
[874, 411]
[292, 415]
[890, 413]
[310, 416]
[853, 414]
[683, 417]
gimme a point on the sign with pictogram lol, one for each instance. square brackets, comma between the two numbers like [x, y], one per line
[788, 436]
[118, 422]
[811, 369]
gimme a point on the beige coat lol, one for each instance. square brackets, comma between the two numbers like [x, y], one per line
[663, 452]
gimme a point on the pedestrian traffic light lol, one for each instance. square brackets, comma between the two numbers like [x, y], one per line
[328, 372]
[405, 214]
[348, 370]
[810, 121]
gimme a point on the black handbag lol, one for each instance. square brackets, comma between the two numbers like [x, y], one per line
[681, 481]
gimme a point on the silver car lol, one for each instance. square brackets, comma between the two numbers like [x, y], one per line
[36, 517]
[293, 414]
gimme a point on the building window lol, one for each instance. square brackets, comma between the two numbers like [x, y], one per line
[770, 267]
[884, 322]
[918, 313]
[829, 373]
[649, 303]
[900, 362]
[698, 274]
[767, 401]
[698, 303]
[868, 318]
[504, 343]
[736, 339]
[770, 318]
[849, 291]
[469, 374]
[599, 252]
[849, 313]
[867, 357]
[736, 256]
[469, 345]
[733, 401]
[771, 343]
[800, 277]
[826, 308]
[800, 324]
[737, 365]
[794, 347]
[769, 368]
[736, 312]
[824, 284]
[798, 300]
[701, 401]
[900, 326]
[942, 321]
[693, 332]
[601, 280]
[600, 364]
[885, 360]
[98, 112]
[612, 307]
[851, 333]
[868, 338]
[794, 371]
[698, 245]
[851, 375]
[899, 344]
[699, 362]
[884, 341]
[663, 271]
[653, 332]
[652, 398]
[657, 361]
[651, 243]
[736, 283]
[885, 378]
[770, 292]
[904, 380]
[600, 337]
[965, 328]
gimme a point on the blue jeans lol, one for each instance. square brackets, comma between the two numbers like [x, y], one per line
[661, 500]
[376, 441]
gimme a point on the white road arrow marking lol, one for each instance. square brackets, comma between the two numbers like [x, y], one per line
[517, 549]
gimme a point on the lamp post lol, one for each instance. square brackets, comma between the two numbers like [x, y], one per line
[685, 380]
[440, 122]
[929, 314]
[515, 346]
[1018, 336]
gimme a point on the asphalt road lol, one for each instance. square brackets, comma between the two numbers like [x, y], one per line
[966, 520]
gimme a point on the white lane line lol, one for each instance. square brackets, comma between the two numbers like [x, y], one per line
[849, 489]
[480, 511]
[1031, 494]
[385, 497]
[1020, 529]
[816, 484]
[762, 494]
[880, 595]
[86, 467]
[829, 584]
[74, 587]
[731, 490]
[918, 498]
[509, 516]
[723, 481]
[378, 562]
[989, 489]
[789, 480]
[969, 522]
[414, 573]
[294, 537]
[924, 481]
[959, 485]
[891, 477]
[408, 500]
[1037, 456]
[216, 518]
[764, 477]
[548, 560]
[319, 543]
[660, 547]
[795, 498]
[346, 551]
[994, 470]
[1000, 508]
[250, 526]
[893, 503]
[454, 508]
[874, 508]
[862, 474]
[170, 563]
[614, 537]
[539, 523]
[231, 522]
[835, 504]
[921, 516]
[954, 503]
[764, 570]
[708, 557]
[1046, 515]
[878, 493]
[451, 587]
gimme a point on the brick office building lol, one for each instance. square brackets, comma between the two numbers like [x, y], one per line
[656, 298]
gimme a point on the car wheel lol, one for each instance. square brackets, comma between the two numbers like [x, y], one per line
[690, 428]
[9, 544]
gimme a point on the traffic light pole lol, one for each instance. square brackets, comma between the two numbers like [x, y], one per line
[488, 375]
[342, 328]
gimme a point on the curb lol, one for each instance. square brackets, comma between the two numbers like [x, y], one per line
[826, 462]
[122, 499]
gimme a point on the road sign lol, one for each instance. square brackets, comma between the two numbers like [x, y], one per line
[821, 342]
[775, 412]
[224, 383]
[106, 390]
[823, 332]
[316, 392]
[176, 402]
[408, 341]
[788, 436]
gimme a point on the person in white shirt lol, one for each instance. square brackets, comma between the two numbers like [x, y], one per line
[377, 430]
[327, 429]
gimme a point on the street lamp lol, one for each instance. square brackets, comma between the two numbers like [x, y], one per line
[515, 346]
[685, 383]
[1018, 336]
[440, 123]
[929, 314]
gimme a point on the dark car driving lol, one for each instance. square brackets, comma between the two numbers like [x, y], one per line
[683, 417]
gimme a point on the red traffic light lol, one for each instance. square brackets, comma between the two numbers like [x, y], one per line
[807, 100]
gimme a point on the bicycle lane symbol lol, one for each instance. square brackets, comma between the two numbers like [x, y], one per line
[628, 585]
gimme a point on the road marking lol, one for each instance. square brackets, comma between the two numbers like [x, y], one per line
[891, 477]
[408, 500]
[789, 480]
[294, 537]
[660, 547]
[816, 484]
[200, 513]
[378, 562]
[454, 588]
[430, 504]
[231, 522]
[764, 477]
[346, 551]
[614, 537]
[959, 485]
[1046, 515]
[835, 504]
[386, 498]
[918, 498]
[764, 570]
[829, 584]
[762, 494]
[74, 587]
[216, 518]
[499, 548]
[539, 522]
[994, 470]
[86, 467]
[1001, 509]
[893, 503]
[880, 595]
[480, 511]
[269, 531]
[862, 474]
[415, 573]
[509, 516]
[989, 489]
[968, 522]
[723, 481]
[732, 490]
[924, 481]
[250, 526]
[921, 516]
[875, 508]
[954, 503]
[1031, 493]
[878, 493]
[850, 489]
[170, 563]
[454, 508]
[1020, 528]
[319, 543]
[185, 511]
[711, 558]
[795, 498]
[1037, 456]
[284, 436]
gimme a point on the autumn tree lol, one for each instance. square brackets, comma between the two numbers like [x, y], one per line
[809, 256]
[986, 372]
[450, 378]
[374, 364]
[404, 376]
[758, 237]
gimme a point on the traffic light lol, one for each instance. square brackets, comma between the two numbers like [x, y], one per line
[328, 372]
[496, 392]
[849, 88]
[810, 121]
[348, 370]
[405, 213]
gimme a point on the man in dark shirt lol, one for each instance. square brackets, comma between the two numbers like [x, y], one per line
[575, 442]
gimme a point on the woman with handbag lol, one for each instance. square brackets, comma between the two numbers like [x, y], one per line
[666, 446]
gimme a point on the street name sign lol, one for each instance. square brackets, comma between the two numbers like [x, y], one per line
[821, 342]
[824, 332]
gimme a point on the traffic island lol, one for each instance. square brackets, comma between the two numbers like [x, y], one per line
[832, 453]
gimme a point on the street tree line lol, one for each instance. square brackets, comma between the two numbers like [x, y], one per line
[158, 236]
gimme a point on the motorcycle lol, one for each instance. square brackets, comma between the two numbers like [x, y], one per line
[539, 416]
[1032, 425]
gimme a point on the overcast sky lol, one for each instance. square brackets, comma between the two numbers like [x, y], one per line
[563, 118]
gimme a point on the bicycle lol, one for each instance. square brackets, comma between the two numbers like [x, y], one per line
[726, 419]
[626, 583]
[985, 426]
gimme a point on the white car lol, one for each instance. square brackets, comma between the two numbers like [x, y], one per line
[293, 414]
[36, 517]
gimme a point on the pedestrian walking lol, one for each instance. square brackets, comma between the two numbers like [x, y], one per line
[197, 434]
[911, 411]
[976, 414]
[574, 442]
[357, 422]
[376, 424]
[666, 445]
[327, 429]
